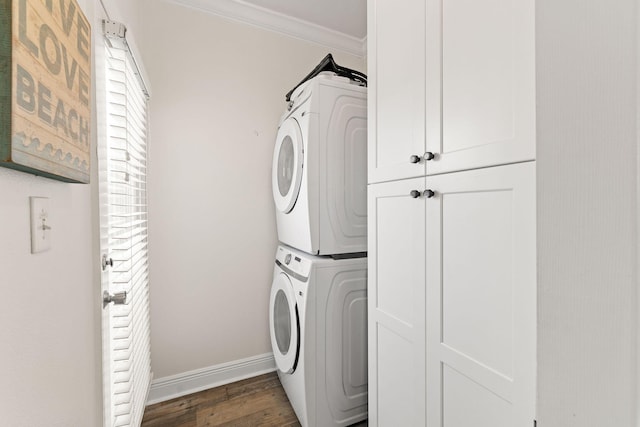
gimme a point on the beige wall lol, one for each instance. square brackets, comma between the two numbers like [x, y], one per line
[50, 359]
[126, 12]
[587, 212]
[218, 93]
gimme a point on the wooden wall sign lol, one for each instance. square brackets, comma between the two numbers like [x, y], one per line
[45, 88]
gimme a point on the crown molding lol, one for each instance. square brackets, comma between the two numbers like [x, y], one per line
[247, 13]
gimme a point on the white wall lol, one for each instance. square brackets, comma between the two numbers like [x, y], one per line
[50, 363]
[218, 92]
[587, 212]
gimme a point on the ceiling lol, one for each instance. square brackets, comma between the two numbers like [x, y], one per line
[338, 24]
[344, 16]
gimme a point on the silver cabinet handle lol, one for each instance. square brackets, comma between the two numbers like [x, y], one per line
[417, 159]
[118, 298]
[427, 193]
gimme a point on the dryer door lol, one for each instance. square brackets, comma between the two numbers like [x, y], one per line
[284, 324]
[287, 165]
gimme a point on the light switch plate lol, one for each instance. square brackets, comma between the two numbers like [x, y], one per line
[40, 224]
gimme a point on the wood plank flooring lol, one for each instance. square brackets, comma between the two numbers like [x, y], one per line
[258, 401]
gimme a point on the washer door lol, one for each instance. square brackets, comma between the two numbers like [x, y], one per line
[284, 324]
[287, 165]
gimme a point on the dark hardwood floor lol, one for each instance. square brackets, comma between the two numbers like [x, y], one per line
[258, 401]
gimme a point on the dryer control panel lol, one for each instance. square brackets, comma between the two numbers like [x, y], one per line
[293, 263]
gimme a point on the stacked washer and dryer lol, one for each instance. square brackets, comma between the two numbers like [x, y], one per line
[318, 302]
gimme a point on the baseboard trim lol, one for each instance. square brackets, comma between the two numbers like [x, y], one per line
[197, 380]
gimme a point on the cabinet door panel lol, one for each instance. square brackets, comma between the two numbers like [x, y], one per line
[395, 359]
[396, 98]
[480, 83]
[481, 297]
[467, 403]
[396, 298]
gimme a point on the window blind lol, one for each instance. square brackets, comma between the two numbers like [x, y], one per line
[123, 182]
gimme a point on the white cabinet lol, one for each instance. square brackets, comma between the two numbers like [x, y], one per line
[452, 286]
[396, 298]
[396, 93]
[452, 299]
[481, 297]
[455, 79]
[480, 83]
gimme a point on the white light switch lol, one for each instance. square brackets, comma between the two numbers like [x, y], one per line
[40, 224]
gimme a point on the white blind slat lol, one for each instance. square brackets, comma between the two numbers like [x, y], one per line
[125, 176]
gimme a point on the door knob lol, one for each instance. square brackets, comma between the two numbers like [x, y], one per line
[415, 158]
[415, 194]
[118, 298]
[429, 193]
[429, 156]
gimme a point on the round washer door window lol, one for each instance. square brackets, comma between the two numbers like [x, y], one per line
[287, 165]
[284, 324]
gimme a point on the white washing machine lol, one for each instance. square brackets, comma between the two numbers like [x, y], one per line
[320, 168]
[318, 324]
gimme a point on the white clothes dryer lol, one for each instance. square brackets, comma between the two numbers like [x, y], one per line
[320, 168]
[318, 324]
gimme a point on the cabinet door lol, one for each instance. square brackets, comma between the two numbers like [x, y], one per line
[396, 304]
[480, 83]
[481, 297]
[396, 98]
